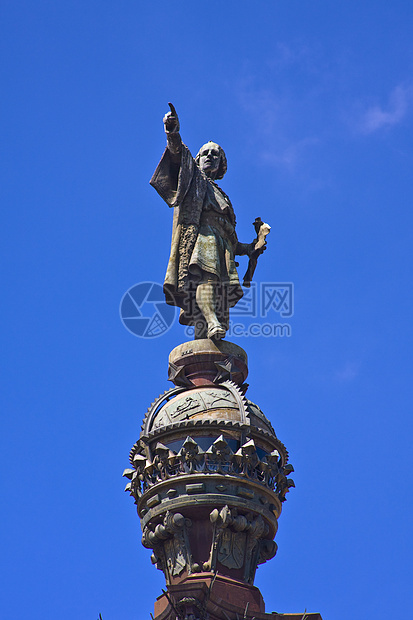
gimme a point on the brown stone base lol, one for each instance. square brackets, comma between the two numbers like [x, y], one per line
[220, 599]
[204, 362]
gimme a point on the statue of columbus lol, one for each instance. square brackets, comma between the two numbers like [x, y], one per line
[201, 277]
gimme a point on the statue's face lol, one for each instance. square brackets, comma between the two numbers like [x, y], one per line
[209, 159]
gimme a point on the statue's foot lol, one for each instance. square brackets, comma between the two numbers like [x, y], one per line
[216, 332]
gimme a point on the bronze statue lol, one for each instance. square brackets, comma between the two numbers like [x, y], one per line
[201, 277]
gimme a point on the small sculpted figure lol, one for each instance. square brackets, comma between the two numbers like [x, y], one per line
[201, 278]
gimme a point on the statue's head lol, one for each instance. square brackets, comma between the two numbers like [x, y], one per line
[211, 160]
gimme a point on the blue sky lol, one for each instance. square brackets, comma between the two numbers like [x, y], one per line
[313, 104]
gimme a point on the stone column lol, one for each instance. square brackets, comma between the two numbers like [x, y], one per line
[209, 477]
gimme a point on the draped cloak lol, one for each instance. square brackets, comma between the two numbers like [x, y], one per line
[203, 233]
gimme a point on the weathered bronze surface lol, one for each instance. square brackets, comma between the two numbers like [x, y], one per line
[201, 277]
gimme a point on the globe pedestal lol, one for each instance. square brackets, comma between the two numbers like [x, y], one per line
[209, 477]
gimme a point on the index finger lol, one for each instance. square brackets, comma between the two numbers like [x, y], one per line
[173, 111]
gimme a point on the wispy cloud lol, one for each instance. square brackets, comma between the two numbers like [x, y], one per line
[377, 117]
[348, 372]
[290, 155]
[281, 144]
[283, 116]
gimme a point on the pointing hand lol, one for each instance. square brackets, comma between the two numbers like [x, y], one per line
[171, 120]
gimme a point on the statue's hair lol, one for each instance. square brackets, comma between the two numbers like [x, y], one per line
[222, 163]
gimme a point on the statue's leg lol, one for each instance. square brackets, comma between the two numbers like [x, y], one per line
[200, 328]
[221, 305]
[206, 301]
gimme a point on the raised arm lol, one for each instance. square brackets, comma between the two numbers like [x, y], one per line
[173, 138]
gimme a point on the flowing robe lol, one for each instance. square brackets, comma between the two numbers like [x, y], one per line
[203, 234]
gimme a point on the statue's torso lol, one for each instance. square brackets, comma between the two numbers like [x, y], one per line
[218, 202]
